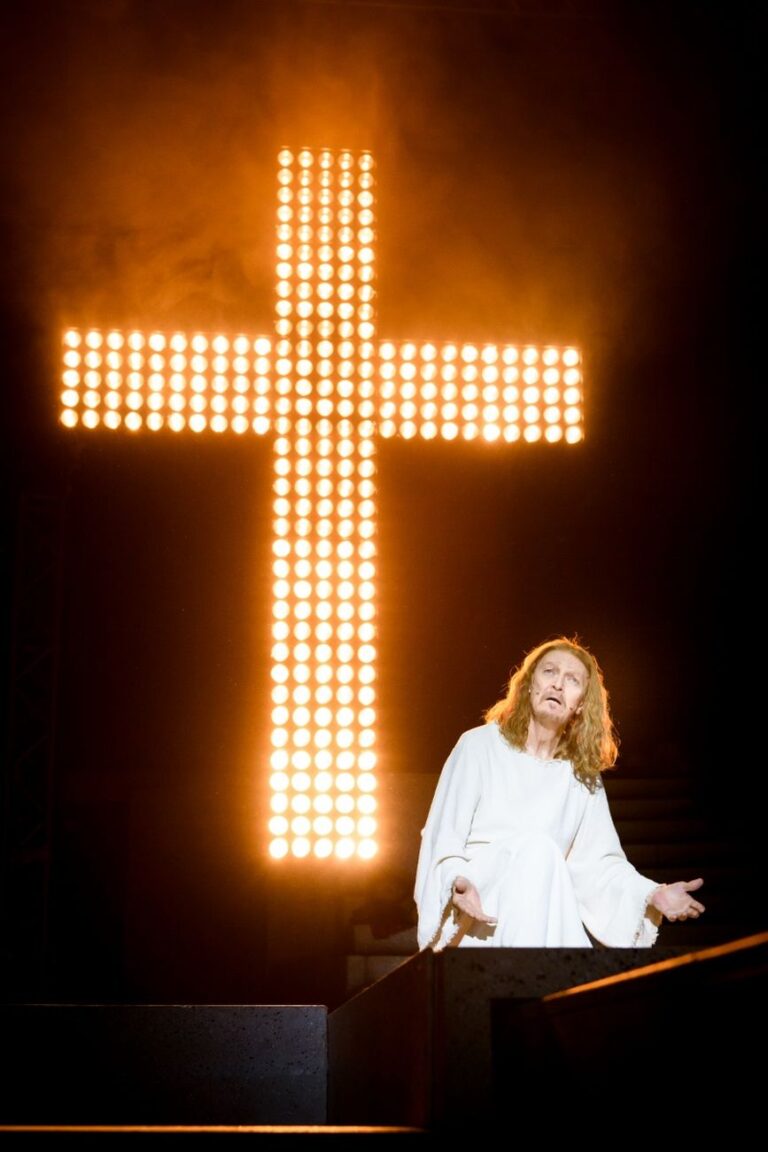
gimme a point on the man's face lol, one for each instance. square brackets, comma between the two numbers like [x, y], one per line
[557, 688]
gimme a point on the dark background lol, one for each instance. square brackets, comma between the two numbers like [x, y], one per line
[578, 173]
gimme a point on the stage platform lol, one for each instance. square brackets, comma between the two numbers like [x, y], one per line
[467, 1039]
[458, 1041]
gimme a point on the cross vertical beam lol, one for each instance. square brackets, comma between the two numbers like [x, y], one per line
[323, 654]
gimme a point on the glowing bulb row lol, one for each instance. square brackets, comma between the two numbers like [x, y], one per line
[135, 381]
[492, 392]
[322, 847]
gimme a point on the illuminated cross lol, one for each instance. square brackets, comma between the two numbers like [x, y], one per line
[326, 389]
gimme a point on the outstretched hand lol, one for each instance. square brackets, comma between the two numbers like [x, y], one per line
[675, 902]
[467, 899]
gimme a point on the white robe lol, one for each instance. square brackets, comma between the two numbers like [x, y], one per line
[540, 847]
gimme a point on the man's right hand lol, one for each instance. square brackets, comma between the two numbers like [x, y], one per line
[467, 899]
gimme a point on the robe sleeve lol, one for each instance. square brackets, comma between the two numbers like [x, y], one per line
[611, 893]
[443, 852]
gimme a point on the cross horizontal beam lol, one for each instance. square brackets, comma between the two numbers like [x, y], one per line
[176, 382]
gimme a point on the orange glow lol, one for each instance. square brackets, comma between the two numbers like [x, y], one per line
[326, 390]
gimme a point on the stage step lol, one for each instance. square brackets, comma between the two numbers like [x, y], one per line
[91, 1064]
[284, 1134]
[678, 1042]
[414, 1048]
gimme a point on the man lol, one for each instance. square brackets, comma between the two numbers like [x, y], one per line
[519, 848]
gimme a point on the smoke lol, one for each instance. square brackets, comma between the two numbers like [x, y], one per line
[144, 143]
[521, 195]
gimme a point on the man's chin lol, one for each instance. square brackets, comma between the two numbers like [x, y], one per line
[551, 717]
